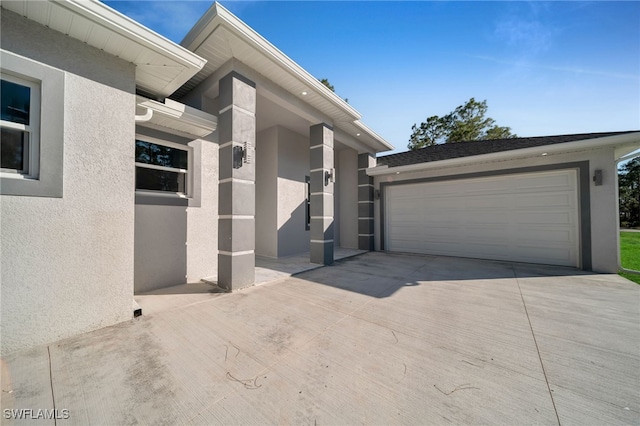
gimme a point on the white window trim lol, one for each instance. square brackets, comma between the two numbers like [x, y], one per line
[188, 172]
[33, 129]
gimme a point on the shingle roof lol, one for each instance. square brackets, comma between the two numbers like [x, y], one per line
[466, 149]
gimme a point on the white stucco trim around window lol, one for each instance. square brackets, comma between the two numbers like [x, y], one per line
[625, 140]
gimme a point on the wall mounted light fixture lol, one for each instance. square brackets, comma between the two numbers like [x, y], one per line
[329, 176]
[597, 177]
[242, 154]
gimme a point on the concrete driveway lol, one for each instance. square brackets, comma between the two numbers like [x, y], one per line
[375, 339]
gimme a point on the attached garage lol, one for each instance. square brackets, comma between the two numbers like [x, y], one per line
[546, 200]
[528, 217]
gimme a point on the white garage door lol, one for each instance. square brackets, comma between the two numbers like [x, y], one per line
[529, 217]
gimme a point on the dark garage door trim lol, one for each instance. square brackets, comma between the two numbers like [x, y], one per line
[584, 198]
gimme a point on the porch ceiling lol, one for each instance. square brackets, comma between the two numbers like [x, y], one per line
[220, 37]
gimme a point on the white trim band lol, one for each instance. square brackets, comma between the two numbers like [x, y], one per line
[320, 217]
[235, 253]
[365, 184]
[236, 108]
[235, 216]
[236, 180]
[322, 193]
[321, 241]
[368, 202]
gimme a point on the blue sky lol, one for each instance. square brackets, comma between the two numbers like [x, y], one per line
[545, 68]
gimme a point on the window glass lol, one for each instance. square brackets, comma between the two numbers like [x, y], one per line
[160, 180]
[15, 103]
[160, 155]
[13, 149]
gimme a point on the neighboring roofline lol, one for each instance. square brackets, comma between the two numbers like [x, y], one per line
[218, 15]
[593, 143]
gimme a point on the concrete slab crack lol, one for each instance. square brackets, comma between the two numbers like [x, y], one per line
[546, 379]
[53, 398]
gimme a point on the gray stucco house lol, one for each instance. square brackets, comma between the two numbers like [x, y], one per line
[131, 163]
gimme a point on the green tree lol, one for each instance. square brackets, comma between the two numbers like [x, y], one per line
[467, 122]
[329, 85]
[629, 193]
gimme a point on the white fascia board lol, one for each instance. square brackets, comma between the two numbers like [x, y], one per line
[218, 15]
[113, 20]
[383, 144]
[585, 144]
[201, 122]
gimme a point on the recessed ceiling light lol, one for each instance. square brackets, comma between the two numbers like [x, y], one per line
[544, 153]
[303, 93]
[357, 134]
[397, 173]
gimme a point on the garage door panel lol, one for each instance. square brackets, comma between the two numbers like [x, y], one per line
[545, 237]
[549, 198]
[528, 217]
[544, 218]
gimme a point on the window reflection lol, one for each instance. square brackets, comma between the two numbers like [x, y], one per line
[15, 103]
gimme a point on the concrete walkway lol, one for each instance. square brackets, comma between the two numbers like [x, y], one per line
[376, 339]
[267, 270]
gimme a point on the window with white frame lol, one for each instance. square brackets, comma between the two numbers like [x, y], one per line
[162, 167]
[19, 126]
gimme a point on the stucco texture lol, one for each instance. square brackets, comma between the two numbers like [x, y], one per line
[67, 263]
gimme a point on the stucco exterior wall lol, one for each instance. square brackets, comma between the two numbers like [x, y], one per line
[282, 163]
[603, 204]
[160, 247]
[202, 213]
[175, 244]
[67, 263]
[348, 182]
[266, 192]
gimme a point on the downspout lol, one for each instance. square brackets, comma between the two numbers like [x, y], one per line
[146, 117]
[137, 310]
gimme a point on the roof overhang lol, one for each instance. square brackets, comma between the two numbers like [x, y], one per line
[161, 65]
[174, 117]
[623, 144]
[221, 37]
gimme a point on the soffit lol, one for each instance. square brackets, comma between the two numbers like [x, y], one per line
[161, 65]
[219, 37]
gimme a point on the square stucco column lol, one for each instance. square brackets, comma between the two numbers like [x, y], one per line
[236, 195]
[321, 160]
[365, 202]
